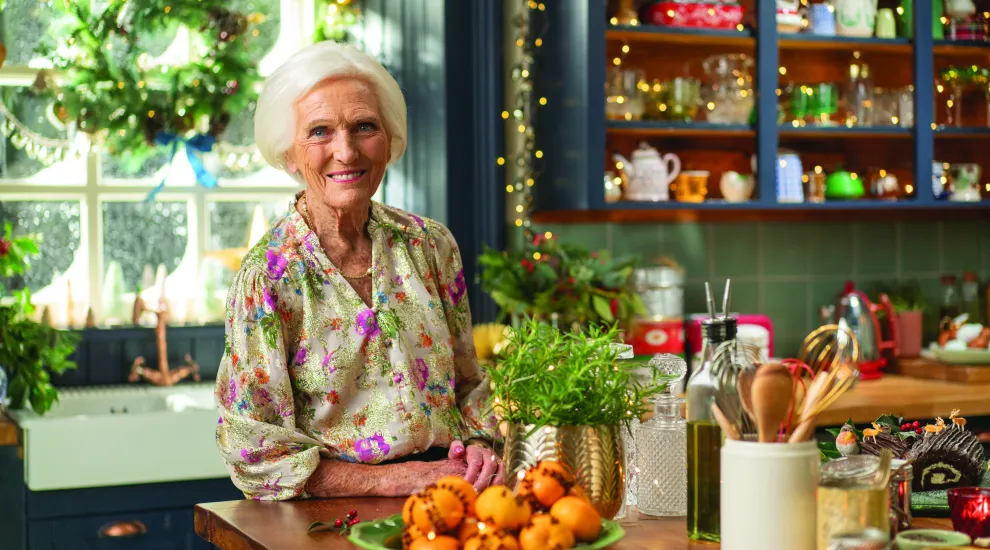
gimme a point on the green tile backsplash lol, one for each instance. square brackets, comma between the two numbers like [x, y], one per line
[789, 270]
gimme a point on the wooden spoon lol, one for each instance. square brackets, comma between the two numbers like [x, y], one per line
[771, 395]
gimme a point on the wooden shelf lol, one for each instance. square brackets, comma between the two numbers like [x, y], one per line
[844, 43]
[869, 132]
[961, 48]
[667, 128]
[719, 211]
[963, 132]
[677, 35]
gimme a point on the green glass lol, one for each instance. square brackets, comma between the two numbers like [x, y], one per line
[800, 102]
[824, 102]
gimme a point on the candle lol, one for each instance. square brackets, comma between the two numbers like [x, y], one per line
[970, 509]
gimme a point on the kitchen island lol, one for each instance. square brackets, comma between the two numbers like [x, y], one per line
[253, 525]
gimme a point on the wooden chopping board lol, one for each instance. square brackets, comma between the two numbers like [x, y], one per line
[920, 367]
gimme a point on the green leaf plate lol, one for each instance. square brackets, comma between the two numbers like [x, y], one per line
[386, 534]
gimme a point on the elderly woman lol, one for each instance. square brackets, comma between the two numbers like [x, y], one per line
[349, 367]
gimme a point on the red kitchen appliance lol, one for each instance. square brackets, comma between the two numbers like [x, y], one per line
[707, 15]
[860, 314]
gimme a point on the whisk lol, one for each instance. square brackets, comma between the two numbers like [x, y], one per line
[734, 364]
[831, 354]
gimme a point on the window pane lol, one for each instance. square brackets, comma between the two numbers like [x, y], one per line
[25, 23]
[116, 168]
[263, 35]
[233, 229]
[136, 234]
[20, 156]
[57, 226]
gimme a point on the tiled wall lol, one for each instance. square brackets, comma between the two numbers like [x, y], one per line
[789, 270]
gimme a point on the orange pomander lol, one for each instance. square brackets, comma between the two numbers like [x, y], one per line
[439, 542]
[543, 532]
[412, 503]
[411, 533]
[469, 528]
[578, 491]
[492, 539]
[441, 511]
[556, 467]
[498, 507]
[579, 516]
[463, 489]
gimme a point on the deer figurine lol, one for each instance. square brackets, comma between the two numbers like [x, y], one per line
[872, 433]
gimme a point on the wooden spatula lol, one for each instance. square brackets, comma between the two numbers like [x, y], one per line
[771, 396]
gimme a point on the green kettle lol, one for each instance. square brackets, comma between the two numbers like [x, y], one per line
[842, 185]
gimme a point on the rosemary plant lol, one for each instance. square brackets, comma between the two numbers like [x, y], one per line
[546, 377]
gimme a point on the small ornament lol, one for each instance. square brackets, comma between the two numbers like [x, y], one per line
[846, 442]
[90, 318]
[3, 53]
[218, 124]
[138, 310]
[41, 81]
[46, 316]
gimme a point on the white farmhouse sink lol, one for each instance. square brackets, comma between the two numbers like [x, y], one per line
[122, 435]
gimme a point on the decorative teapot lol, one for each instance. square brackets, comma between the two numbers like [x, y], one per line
[855, 17]
[959, 9]
[649, 174]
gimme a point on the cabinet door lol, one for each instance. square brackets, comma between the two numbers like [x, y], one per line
[164, 530]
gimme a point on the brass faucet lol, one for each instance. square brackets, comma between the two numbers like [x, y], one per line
[163, 376]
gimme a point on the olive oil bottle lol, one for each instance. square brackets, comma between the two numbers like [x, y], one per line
[704, 437]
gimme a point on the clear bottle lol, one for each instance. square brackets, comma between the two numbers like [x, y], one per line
[704, 437]
[971, 297]
[950, 304]
[859, 96]
[661, 444]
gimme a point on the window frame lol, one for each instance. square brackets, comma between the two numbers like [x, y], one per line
[297, 25]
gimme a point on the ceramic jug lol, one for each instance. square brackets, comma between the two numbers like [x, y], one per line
[649, 174]
[855, 17]
[959, 9]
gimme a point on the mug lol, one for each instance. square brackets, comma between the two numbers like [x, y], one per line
[886, 26]
[784, 477]
[821, 20]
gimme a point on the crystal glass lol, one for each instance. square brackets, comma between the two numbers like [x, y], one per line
[661, 449]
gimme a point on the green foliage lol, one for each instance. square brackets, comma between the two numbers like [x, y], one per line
[29, 351]
[112, 90]
[546, 377]
[548, 276]
[906, 296]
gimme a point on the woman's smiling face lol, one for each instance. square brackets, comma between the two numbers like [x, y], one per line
[340, 148]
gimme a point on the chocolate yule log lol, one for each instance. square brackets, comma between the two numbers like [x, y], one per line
[873, 445]
[950, 458]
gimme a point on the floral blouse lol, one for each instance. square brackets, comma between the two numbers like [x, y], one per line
[310, 371]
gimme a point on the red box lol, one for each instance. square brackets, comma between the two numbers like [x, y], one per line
[649, 337]
[701, 15]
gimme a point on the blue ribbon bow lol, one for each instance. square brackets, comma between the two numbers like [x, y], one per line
[195, 147]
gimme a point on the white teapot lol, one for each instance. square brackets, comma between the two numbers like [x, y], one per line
[855, 17]
[649, 173]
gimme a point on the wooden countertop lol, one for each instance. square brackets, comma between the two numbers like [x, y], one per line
[912, 398]
[8, 431]
[254, 525]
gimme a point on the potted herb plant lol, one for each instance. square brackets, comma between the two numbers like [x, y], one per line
[565, 396]
[551, 280]
[909, 304]
[29, 351]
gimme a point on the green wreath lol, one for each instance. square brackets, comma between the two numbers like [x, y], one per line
[114, 91]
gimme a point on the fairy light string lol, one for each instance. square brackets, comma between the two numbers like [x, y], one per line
[522, 154]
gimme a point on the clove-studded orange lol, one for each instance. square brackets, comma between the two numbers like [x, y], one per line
[463, 489]
[411, 533]
[498, 507]
[439, 542]
[543, 532]
[579, 516]
[440, 511]
[492, 539]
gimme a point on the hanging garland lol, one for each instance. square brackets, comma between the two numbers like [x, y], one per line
[519, 116]
[118, 94]
[337, 20]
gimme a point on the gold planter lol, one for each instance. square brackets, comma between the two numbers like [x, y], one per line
[594, 454]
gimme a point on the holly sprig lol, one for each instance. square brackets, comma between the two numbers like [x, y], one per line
[113, 90]
[341, 525]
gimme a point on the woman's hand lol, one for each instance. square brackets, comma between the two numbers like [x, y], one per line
[484, 468]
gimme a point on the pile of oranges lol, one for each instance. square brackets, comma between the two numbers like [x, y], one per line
[547, 511]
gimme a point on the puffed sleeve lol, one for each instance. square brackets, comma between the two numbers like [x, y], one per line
[471, 386]
[268, 458]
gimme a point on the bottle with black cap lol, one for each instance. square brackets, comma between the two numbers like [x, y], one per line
[704, 437]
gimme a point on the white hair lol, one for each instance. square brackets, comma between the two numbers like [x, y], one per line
[275, 120]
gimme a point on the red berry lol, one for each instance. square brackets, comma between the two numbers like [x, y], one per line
[916, 425]
[352, 514]
[917, 431]
[905, 427]
[338, 523]
[352, 521]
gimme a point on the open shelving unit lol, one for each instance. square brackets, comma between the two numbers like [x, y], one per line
[574, 130]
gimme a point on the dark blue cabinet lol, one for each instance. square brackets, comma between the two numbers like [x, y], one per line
[161, 530]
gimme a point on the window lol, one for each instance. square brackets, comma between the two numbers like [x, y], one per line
[98, 232]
